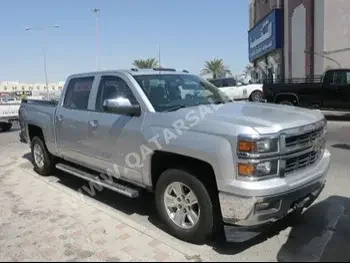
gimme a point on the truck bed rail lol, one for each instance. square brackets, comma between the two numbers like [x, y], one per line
[42, 102]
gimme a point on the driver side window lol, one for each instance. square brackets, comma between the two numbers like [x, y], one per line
[113, 87]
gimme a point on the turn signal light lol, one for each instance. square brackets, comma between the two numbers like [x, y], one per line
[246, 146]
[246, 169]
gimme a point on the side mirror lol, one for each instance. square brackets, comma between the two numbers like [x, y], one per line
[239, 84]
[121, 106]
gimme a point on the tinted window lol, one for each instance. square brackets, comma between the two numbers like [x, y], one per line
[112, 87]
[229, 82]
[341, 78]
[216, 82]
[78, 93]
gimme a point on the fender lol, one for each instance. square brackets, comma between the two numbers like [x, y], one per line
[217, 151]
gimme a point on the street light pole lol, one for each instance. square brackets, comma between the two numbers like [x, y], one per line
[323, 56]
[44, 47]
[96, 12]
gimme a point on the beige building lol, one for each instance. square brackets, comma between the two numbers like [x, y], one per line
[313, 36]
[17, 87]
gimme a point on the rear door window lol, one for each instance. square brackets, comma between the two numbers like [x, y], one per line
[78, 93]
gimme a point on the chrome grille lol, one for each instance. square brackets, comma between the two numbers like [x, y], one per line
[303, 161]
[302, 140]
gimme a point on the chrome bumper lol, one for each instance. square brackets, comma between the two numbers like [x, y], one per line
[254, 211]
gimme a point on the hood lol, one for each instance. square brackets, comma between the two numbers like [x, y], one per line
[262, 117]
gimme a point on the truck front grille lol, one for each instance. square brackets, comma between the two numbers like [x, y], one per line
[302, 161]
[303, 140]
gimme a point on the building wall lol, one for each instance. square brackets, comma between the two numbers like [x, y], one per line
[300, 38]
[263, 7]
[337, 33]
[9, 87]
[319, 37]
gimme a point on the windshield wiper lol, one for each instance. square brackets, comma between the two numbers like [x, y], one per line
[175, 108]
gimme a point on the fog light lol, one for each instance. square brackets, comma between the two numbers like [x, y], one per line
[264, 168]
[272, 206]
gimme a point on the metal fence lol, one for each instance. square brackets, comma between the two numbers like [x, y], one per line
[314, 79]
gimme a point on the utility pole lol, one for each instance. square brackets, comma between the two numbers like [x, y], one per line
[44, 47]
[96, 11]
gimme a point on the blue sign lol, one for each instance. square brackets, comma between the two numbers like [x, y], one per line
[267, 35]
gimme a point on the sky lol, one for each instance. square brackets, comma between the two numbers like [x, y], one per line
[188, 33]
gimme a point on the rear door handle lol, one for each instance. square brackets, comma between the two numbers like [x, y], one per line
[60, 118]
[93, 123]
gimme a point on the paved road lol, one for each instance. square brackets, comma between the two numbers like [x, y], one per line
[321, 235]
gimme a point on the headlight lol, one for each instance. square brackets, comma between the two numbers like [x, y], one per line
[246, 145]
[255, 170]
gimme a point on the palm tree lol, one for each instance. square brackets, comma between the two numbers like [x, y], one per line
[145, 63]
[216, 68]
[248, 70]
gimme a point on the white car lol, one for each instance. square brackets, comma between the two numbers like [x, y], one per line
[8, 112]
[239, 91]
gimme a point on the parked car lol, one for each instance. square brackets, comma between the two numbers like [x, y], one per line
[8, 113]
[239, 91]
[328, 92]
[211, 163]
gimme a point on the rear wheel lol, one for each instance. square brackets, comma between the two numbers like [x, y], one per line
[42, 160]
[5, 126]
[256, 96]
[185, 206]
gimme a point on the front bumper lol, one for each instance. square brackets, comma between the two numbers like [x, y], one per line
[255, 211]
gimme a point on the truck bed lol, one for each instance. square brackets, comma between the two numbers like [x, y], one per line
[39, 113]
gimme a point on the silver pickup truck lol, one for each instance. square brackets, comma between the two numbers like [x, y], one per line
[213, 164]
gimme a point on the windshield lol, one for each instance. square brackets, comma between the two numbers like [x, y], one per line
[174, 91]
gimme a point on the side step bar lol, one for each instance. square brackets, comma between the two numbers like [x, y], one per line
[116, 187]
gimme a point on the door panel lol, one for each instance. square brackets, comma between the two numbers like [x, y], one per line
[114, 139]
[71, 131]
[72, 119]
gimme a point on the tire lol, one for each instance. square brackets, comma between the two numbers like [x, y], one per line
[296, 216]
[46, 165]
[256, 96]
[5, 127]
[286, 102]
[204, 228]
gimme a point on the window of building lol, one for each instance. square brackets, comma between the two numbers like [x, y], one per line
[113, 87]
[78, 93]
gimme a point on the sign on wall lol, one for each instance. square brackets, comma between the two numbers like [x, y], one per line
[266, 36]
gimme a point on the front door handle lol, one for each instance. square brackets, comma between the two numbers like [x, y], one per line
[93, 124]
[60, 118]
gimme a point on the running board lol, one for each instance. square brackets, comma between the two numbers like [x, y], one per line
[116, 187]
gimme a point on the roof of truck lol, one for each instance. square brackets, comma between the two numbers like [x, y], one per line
[134, 72]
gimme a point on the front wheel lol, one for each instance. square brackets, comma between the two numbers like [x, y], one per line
[185, 206]
[5, 126]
